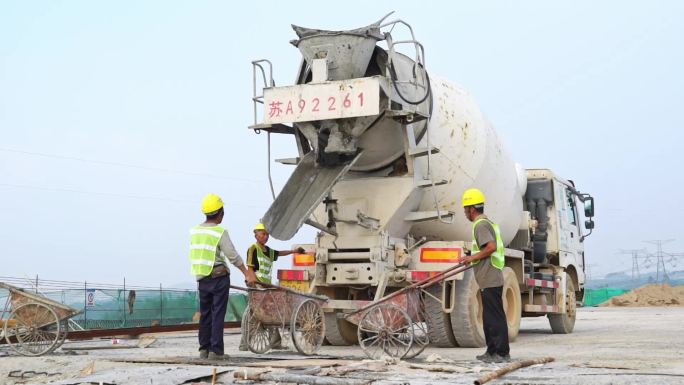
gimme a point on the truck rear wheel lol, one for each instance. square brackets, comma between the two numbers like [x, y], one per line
[438, 322]
[338, 331]
[466, 319]
[512, 303]
[565, 323]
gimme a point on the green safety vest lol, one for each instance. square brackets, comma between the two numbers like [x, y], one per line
[497, 257]
[203, 246]
[265, 263]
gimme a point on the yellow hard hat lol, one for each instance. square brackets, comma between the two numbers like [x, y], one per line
[260, 226]
[211, 203]
[472, 197]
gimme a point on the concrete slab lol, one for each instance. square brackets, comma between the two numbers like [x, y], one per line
[608, 346]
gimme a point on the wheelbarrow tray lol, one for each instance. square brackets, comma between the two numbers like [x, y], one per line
[19, 297]
[275, 305]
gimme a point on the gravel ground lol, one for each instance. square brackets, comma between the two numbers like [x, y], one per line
[609, 346]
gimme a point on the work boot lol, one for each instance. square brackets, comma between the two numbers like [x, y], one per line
[484, 357]
[218, 357]
[204, 354]
[276, 340]
[498, 359]
[505, 357]
[278, 345]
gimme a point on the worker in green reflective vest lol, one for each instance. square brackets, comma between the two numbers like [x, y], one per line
[260, 259]
[487, 256]
[210, 250]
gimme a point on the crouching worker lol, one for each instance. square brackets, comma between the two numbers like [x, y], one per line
[260, 259]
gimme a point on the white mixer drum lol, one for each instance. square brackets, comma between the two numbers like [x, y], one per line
[471, 156]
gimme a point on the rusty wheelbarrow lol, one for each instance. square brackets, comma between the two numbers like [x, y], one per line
[396, 325]
[35, 325]
[272, 306]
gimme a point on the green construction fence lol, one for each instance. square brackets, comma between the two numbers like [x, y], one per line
[593, 297]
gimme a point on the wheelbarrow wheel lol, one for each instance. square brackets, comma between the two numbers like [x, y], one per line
[35, 331]
[416, 309]
[308, 327]
[385, 330]
[258, 336]
[421, 339]
[62, 333]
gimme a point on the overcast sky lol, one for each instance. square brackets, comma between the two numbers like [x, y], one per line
[116, 118]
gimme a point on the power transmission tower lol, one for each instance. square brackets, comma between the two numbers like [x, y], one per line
[660, 260]
[635, 261]
[674, 258]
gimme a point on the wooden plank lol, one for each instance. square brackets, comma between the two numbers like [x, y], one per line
[99, 347]
[298, 363]
[259, 361]
[279, 377]
[509, 368]
[143, 375]
[135, 331]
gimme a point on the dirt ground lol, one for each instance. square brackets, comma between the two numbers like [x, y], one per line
[650, 295]
[610, 345]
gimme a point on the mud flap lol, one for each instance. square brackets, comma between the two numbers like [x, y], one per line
[560, 293]
[303, 192]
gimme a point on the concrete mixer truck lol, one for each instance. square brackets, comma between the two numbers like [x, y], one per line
[384, 152]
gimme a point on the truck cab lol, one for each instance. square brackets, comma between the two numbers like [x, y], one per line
[556, 236]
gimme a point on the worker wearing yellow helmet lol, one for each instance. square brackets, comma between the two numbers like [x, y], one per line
[210, 250]
[487, 258]
[260, 259]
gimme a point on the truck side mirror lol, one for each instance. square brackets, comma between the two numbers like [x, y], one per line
[589, 224]
[589, 207]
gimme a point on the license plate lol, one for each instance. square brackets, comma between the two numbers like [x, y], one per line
[301, 286]
[329, 100]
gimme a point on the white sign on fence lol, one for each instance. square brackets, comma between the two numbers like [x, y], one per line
[90, 297]
[329, 100]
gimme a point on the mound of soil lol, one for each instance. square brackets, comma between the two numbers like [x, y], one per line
[650, 295]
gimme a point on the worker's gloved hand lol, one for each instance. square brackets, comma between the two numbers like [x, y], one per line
[300, 250]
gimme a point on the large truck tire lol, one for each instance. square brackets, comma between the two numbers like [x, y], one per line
[438, 322]
[339, 332]
[512, 303]
[466, 318]
[565, 323]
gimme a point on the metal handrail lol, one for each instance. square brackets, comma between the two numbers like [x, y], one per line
[419, 62]
[255, 97]
[413, 36]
